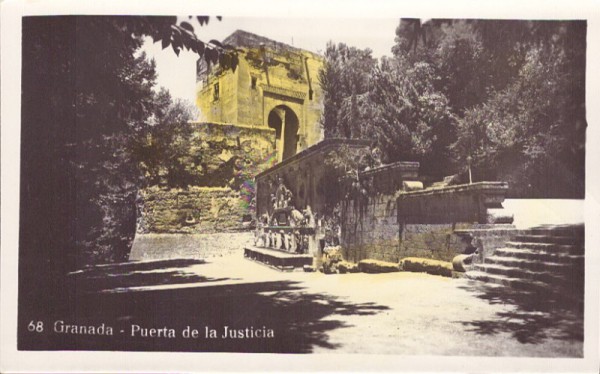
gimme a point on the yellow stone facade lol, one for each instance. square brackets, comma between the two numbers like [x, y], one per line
[275, 86]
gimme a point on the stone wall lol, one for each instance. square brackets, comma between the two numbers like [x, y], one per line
[428, 219]
[371, 231]
[487, 238]
[433, 223]
[232, 154]
[193, 210]
[370, 223]
[435, 241]
[374, 233]
[479, 202]
[228, 157]
[307, 175]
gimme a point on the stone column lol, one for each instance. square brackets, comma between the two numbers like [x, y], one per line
[281, 140]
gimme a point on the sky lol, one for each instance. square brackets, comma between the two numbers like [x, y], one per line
[178, 74]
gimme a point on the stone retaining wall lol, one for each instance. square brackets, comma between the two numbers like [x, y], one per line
[429, 219]
[469, 203]
[487, 238]
[425, 223]
[371, 232]
[193, 210]
[433, 241]
[231, 154]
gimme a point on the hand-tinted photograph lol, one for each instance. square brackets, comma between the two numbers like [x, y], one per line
[395, 186]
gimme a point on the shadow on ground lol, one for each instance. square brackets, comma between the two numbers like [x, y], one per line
[529, 317]
[121, 277]
[300, 320]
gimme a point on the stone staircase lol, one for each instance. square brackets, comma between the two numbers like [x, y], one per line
[547, 259]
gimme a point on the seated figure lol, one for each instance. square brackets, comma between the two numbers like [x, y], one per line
[283, 196]
[296, 218]
[309, 217]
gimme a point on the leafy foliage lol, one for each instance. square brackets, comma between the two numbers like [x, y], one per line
[345, 80]
[161, 146]
[527, 127]
[412, 120]
[87, 97]
[508, 94]
[181, 35]
[394, 103]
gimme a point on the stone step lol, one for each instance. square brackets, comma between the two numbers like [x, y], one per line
[278, 259]
[544, 258]
[547, 247]
[533, 265]
[537, 255]
[554, 239]
[515, 283]
[552, 279]
[571, 293]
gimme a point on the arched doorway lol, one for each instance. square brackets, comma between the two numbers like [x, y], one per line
[285, 123]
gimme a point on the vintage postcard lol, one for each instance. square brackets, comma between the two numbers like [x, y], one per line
[317, 187]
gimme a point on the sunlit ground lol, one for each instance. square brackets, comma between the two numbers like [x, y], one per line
[204, 281]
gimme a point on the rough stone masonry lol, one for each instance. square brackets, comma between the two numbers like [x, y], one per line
[266, 111]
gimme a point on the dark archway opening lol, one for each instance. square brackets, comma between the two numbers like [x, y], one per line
[285, 122]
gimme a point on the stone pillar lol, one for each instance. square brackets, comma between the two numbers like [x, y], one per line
[281, 140]
[314, 250]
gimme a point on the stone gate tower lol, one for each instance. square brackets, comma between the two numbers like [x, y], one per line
[274, 89]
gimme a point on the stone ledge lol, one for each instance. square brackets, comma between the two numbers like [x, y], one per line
[321, 147]
[284, 91]
[400, 165]
[233, 125]
[344, 267]
[377, 266]
[426, 265]
[486, 187]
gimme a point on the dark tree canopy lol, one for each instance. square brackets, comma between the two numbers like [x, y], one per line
[86, 97]
[508, 94]
[345, 81]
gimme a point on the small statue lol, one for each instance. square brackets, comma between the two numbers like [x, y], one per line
[294, 237]
[260, 235]
[274, 201]
[376, 156]
[309, 217]
[304, 244]
[280, 240]
[288, 198]
[299, 242]
[283, 196]
[287, 241]
[296, 218]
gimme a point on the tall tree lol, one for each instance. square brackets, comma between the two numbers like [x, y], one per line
[532, 133]
[395, 103]
[345, 79]
[163, 145]
[83, 94]
[509, 94]
[412, 119]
